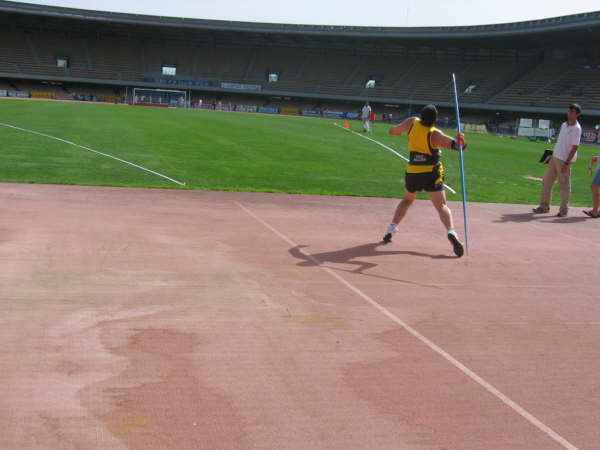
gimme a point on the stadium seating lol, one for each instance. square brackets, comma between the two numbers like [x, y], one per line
[555, 84]
[5, 86]
[502, 77]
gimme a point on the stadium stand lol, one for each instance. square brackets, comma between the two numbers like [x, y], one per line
[552, 83]
[525, 65]
[4, 86]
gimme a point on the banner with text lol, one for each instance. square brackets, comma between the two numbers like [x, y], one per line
[526, 123]
[246, 108]
[531, 132]
[268, 109]
[334, 114]
[290, 111]
[543, 123]
[243, 87]
[182, 83]
[472, 128]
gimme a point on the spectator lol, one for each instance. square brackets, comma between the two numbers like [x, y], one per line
[559, 166]
[366, 117]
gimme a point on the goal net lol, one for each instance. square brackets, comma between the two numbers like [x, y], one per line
[159, 97]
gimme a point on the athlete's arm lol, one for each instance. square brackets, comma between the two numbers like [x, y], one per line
[402, 128]
[440, 139]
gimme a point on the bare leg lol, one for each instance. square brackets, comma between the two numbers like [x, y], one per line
[595, 198]
[438, 198]
[401, 209]
[409, 198]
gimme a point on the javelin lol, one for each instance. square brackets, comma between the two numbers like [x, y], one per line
[462, 167]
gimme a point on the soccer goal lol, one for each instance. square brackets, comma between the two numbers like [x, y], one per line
[159, 97]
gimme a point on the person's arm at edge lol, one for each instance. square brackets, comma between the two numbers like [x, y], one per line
[403, 127]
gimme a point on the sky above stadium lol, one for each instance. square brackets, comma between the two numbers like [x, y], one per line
[388, 13]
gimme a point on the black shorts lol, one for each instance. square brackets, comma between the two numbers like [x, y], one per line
[428, 181]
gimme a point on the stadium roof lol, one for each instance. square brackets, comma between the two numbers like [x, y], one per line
[585, 22]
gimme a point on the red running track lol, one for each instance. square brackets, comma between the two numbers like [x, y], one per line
[186, 319]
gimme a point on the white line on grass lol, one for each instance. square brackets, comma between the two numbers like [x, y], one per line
[93, 151]
[386, 147]
[460, 366]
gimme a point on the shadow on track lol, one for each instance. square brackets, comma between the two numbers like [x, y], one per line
[521, 217]
[351, 257]
[543, 218]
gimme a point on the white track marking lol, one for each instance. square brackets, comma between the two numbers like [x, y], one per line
[92, 150]
[373, 140]
[460, 366]
[386, 147]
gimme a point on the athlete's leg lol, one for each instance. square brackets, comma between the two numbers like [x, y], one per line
[401, 209]
[438, 198]
[409, 198]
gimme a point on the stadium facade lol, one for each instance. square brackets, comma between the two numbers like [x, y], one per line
[527, 68]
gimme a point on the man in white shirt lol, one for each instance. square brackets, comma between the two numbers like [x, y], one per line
[565, 153]
[365, 114]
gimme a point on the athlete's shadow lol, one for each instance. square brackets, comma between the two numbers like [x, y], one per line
[351, 256]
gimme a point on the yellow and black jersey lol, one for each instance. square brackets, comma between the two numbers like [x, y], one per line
[423, 157]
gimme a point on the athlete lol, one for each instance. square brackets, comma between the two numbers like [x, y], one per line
[424, 171]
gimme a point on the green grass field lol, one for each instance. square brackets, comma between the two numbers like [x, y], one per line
[250, 152]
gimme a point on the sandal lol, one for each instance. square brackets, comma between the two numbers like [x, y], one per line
[589, 214]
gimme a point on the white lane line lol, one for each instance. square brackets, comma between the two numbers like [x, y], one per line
[93, 151]
[386, 147]
[460, 366]
[373, 140]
